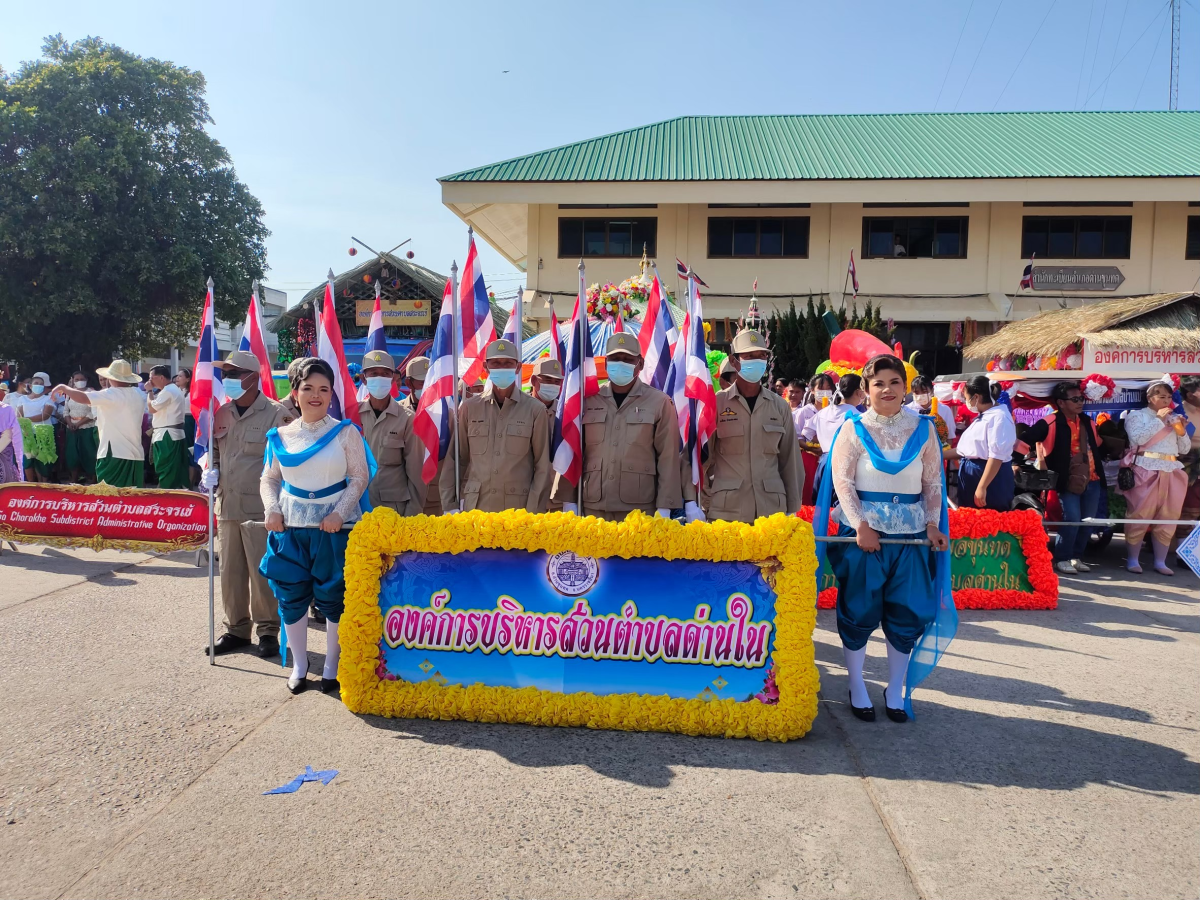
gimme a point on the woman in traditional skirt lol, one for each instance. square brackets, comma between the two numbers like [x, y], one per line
[83, 438]
[11, 446]
[985, 475]
[314, 483]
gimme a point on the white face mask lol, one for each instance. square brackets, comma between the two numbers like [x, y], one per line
[81, 385]
[549, 392]
[923, 400]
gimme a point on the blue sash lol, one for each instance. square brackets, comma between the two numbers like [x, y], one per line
[940, 632]
[276, 451]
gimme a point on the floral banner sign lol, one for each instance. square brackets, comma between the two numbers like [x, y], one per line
[560, 620]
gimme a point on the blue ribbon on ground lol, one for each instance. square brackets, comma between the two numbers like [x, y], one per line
[940, 632]
[324, 776]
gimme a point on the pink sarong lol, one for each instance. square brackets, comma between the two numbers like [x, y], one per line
[1154, 495]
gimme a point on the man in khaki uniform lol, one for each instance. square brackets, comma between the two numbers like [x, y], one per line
[631, 443]
[240, 435]
[546, 385]
[388, 430]
[754, 467]
[414, 380]
[504, 450]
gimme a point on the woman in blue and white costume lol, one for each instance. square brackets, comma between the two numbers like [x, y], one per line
[886, 467]
[317, 471]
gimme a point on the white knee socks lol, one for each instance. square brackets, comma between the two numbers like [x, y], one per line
[297, 638]
[854, 668]
[333, 649]
[897, 666]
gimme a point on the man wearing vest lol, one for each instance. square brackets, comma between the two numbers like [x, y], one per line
[504, 449]
[754, 466]
[631, 443]
[240, 437]
[388, 431]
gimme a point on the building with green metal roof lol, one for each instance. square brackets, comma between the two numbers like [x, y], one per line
[942, 211]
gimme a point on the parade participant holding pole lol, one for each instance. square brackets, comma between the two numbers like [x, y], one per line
[316, 475]
[168, 443]
[631, 443]
[754, 466]
[414, 379]
[119, 408]
[388, 431]
[504, 447]
[985, 475]
[1157, 438]
[240, 430]
[546, 385]
[886, 470]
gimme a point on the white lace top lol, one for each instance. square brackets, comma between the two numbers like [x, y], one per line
[343, 458]
[1141, 425]
[853, 472]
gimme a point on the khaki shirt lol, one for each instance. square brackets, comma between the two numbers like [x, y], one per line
[551, 505]
[241, 444]
[433, 490]
[754, 467]
[504, 454]
[630, 453]
[398, 453]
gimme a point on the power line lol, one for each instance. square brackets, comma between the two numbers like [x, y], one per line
[1096, 52]
[1023, 55]
[950, 64]
[1150, 63]
[1116, 47]
[982, 44]
[1125, 55]
[1083, 60]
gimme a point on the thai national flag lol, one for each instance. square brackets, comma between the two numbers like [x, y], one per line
[510, 327]
[579, 382]
[557, 350]
[684, 272]
[669, 321]
[435, 411]
[329, 348]
[207, 392]
[376, 337]
[1027, 276]
[698, 386]
[478, 330]
[853, 273]
[652, 338]
[254, 340]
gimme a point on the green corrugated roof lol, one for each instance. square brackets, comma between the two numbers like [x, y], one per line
[911, 145]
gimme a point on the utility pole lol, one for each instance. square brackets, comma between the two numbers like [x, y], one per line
[1175, 10]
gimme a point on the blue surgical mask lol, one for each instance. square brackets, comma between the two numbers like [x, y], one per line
[621, 373]
[379, 387]
[416, 392]
[549, 392]
[233, 388]
[753, 369]
[37, 388]
[503, 378]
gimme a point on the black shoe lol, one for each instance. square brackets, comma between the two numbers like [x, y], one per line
[329, 685]
[896, 715]
[268, 646]
[866, 713]
[298, 685]
[316, 616]
[227, 643]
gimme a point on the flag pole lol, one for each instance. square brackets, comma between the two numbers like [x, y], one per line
[212, 447]
[456, 313]
[582, 304]
[520, 333]
[845, 284]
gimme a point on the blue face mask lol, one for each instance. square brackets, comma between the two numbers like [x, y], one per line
[379, 387]
[233, 388]
[503, 378]
[37, 388]
[753, 369]
[621, 373]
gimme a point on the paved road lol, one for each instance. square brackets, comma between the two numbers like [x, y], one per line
[1056, 755]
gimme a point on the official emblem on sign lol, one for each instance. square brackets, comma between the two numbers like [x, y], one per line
[571, 574]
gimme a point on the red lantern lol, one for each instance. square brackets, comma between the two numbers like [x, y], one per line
[366, 279]
[353, 251]
[409, 254]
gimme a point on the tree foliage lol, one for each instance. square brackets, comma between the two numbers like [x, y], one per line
[800, 341]
[115, 206]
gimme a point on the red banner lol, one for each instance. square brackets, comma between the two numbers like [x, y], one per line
[103, 517]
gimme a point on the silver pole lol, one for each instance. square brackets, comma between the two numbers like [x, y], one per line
[212, 451]
[913, 542]
[582, 380]
[520, 333]
[454, 306]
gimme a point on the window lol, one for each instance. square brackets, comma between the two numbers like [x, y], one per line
[758, 238]
[607, 237]
[1076, 237]
[915, 237]
[1193, 238]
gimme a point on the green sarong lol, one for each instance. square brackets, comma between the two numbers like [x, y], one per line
[82, 446]
[120, 472]
[171, 463]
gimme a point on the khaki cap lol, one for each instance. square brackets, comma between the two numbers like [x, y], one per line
[241, 359]
[548, 368]
[727, 368]
[417, 368]
[747, 340]
[378, 359]
[501, 349]
[119, 370]
[623, 342]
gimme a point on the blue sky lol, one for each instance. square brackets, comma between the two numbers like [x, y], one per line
[341, 116]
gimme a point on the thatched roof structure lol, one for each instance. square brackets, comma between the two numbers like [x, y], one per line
[1142, 323]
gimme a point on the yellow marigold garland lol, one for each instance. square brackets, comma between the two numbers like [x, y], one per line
[382, 534]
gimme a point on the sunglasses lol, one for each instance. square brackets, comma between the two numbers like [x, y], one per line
[1076, 399]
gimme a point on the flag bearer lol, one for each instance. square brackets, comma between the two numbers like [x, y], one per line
[631, 443]
[754, 466]
[414, 379]
[388, 431]
[546, 385]
[168, 447]
[504, 448]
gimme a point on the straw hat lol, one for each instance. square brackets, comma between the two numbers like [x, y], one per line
[120, 371]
